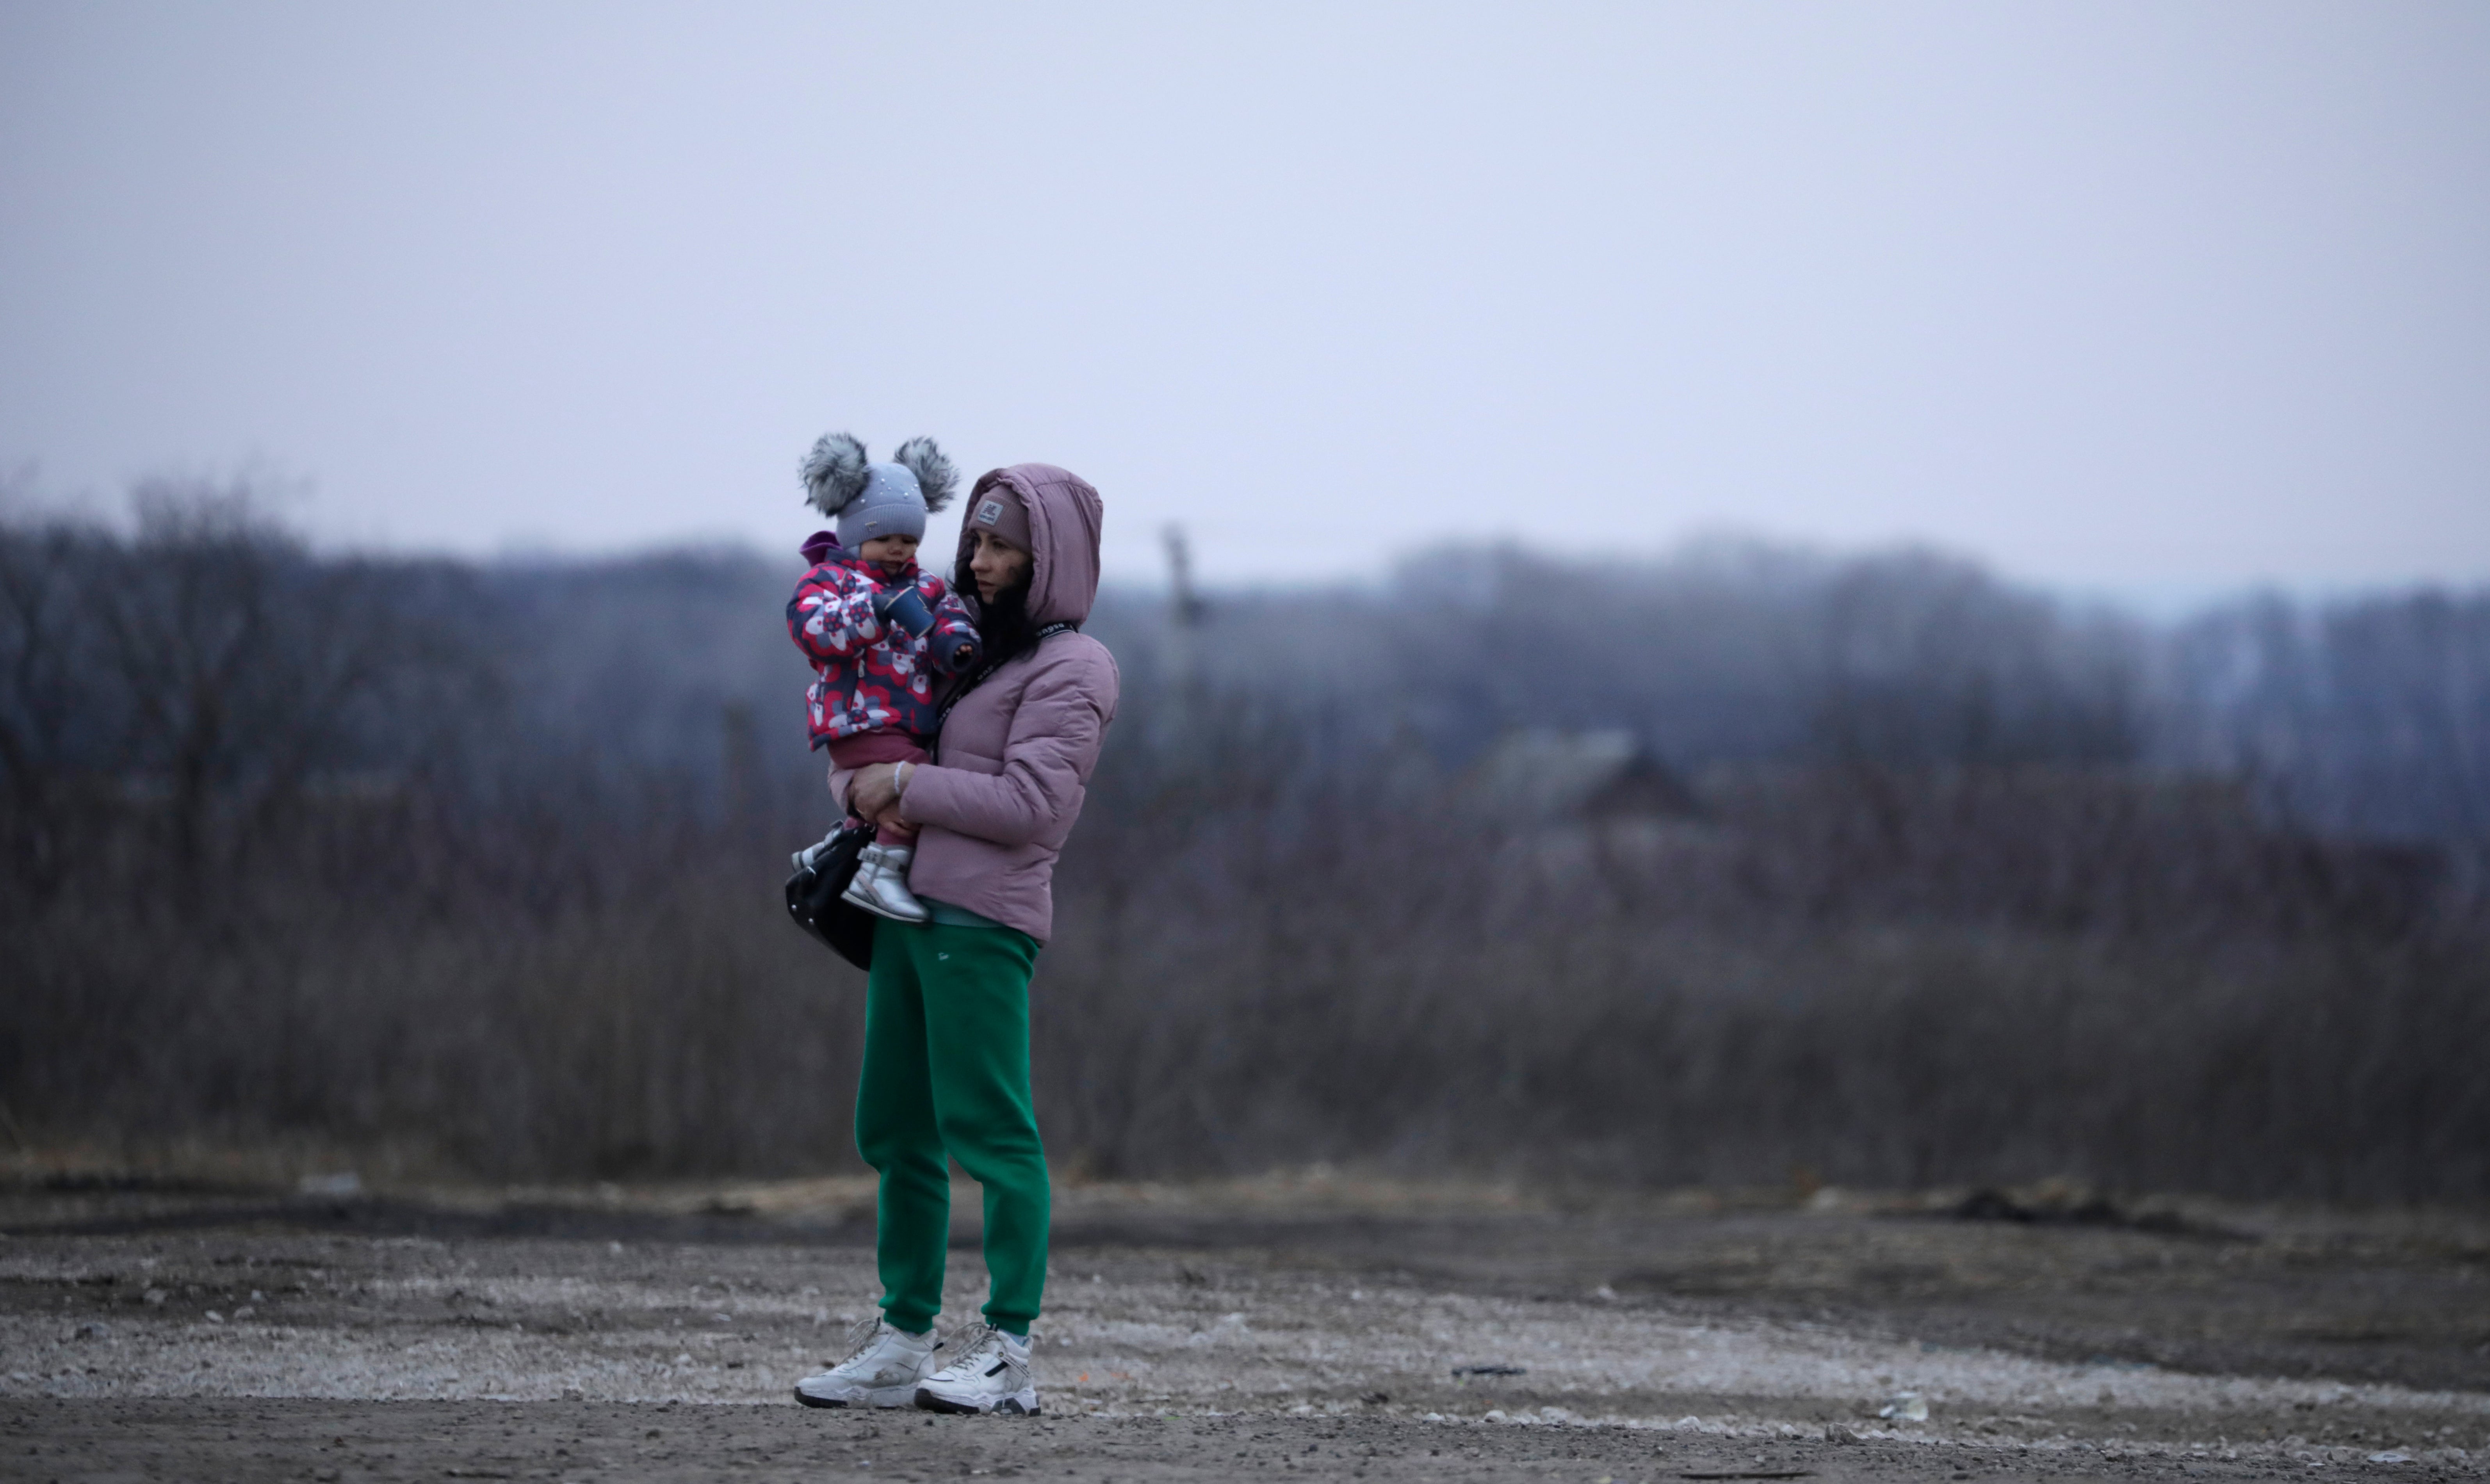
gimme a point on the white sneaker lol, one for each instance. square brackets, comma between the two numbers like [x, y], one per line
[992, 1375]
[883, 1369]
[880, 884]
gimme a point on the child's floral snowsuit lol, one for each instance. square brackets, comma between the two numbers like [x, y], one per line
[874, 677]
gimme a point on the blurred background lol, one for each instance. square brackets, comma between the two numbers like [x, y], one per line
[1707, 595]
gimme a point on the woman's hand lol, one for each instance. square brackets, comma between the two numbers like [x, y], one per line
[873, 794]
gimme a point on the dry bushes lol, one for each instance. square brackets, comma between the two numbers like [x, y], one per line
[477, 867]
[1888, 978]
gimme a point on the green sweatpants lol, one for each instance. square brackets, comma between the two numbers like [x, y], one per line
[947, 1074]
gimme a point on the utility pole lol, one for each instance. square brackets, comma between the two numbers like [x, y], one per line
[1186, 605]
[1186, 612]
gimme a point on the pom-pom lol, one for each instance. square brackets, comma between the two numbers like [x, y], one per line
[833, 473]
[936, 477]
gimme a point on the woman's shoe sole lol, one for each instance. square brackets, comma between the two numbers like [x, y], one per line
[1009, 1406]
[897, 1396]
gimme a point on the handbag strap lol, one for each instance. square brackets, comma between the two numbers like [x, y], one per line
[1060, 626]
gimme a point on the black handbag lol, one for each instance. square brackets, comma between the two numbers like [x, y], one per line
[813, 894]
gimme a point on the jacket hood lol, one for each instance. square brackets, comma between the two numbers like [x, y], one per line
[1065, 519]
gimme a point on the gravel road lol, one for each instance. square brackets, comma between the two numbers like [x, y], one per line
[635, 1336]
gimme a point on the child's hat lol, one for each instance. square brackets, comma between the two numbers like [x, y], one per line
[878, 499]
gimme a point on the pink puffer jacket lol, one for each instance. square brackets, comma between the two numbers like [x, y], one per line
[1013, 763]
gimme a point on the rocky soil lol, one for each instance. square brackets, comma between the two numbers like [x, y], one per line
[1313, 1327]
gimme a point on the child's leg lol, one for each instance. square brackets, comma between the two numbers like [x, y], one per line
[880, 884]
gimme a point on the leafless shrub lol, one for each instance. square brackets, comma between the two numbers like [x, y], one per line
[479, 865]
[1888, 977]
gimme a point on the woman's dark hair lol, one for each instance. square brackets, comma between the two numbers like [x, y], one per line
[1004, 627]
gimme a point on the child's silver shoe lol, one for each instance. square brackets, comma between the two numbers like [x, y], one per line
[811, 855]
[880, 884]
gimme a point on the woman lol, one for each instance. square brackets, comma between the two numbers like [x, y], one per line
[946, 1006]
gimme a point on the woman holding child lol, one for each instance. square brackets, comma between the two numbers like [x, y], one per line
[946, 1008]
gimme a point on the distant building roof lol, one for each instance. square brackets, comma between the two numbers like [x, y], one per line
[1571, 776]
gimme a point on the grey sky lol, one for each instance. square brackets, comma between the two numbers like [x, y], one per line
[2112, 295]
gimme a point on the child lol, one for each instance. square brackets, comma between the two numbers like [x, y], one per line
[876, 630]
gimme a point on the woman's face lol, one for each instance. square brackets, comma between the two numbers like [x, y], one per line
[997, 565]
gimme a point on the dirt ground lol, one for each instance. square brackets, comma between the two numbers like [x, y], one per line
[1298, 1326]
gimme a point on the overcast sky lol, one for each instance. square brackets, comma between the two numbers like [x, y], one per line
[2129, 298]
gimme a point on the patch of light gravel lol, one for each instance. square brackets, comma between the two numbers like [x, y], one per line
[665, 1329]
[1595, 1350]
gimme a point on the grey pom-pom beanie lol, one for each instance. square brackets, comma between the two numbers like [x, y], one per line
[890, 504]
[877, 500]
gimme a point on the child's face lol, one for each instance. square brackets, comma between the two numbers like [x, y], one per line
[889, 553]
